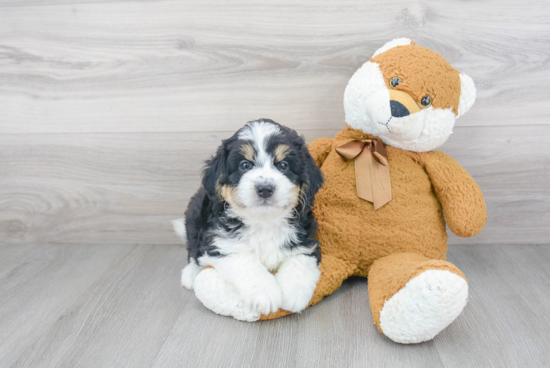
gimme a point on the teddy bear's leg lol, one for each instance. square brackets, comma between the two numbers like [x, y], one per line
[413, 297]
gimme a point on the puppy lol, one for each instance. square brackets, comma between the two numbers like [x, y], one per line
[252, 219]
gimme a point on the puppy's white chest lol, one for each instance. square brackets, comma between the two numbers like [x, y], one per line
[269, 242]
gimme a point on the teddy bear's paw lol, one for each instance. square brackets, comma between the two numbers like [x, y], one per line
[424, 306]
[298, 278]
[221, 297]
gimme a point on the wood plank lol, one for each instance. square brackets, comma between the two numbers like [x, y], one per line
[44, 281]
[507, 315]
[122, 319]
[108, 187]
[88, 188]
[336, 332]
[512, 168]
[136, 314]
[11, 268]
[169, 66]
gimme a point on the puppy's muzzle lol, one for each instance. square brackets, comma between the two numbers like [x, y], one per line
[265, 190]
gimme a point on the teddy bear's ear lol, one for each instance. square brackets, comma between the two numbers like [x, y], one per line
[467, 94]
[394, 43]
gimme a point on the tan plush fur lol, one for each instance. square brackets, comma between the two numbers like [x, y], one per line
[423, 186]
[423, 72]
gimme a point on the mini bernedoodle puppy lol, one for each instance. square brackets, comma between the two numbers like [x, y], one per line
[252, 219]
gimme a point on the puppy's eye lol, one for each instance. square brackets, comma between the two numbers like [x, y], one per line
[282, 166]
[245, 165]
[426, 101]
[395, 81]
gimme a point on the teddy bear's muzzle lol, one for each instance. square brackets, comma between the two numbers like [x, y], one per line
[402, 104]
[394, 114]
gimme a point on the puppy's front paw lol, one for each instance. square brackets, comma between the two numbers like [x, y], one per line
[189, 273]
[264, 295]
[221, 297]
[296, 296]
[297, 280]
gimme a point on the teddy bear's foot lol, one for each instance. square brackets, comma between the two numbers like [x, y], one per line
[221, 297]
[413, 298]
[424, 307]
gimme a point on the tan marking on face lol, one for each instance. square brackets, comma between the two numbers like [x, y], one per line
[423, 72]
[303, 188]
[281, 152]
[248, 151]
[295, 196]
[219, 190]
[229, 194]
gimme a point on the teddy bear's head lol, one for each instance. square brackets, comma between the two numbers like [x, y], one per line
[408, 96]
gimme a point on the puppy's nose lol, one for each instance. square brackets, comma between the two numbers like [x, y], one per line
[265, 190]
[398, 110]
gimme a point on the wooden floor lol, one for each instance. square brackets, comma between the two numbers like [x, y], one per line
[121, 305]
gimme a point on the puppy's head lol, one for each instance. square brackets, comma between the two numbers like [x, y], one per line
[408, 95]
[262, 171]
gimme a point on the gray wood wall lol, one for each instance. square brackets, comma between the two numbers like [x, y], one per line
[108, 108]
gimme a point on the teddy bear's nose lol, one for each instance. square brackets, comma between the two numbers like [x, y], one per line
[398, 110]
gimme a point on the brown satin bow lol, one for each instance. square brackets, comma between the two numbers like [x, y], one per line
[372, 169]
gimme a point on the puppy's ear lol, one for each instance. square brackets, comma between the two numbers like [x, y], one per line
[312, 177]
[213, 175]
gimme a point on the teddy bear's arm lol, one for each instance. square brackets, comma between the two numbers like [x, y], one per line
[319, 149]
[460, 196]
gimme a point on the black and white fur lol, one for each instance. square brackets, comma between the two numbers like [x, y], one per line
[253, 216]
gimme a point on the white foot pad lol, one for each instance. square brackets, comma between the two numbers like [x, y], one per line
[221, 297]
[424, 307]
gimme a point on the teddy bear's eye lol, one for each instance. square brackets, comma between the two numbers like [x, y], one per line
[426, 101]
[394, 82]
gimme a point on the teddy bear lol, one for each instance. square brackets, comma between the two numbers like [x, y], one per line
[388, 196]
